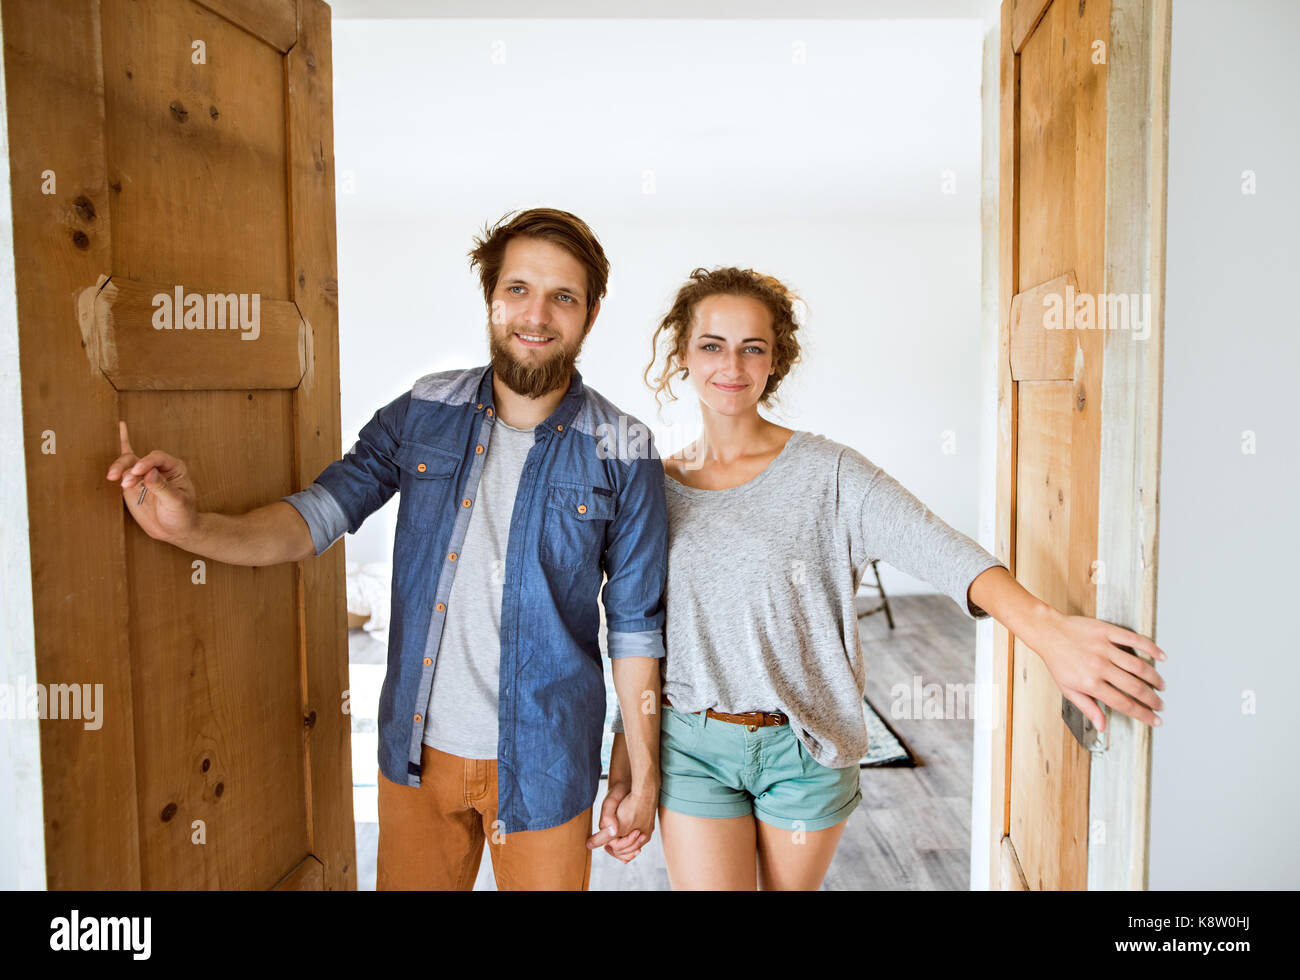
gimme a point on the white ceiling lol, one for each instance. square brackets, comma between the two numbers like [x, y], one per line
[671, 9]
[719, 115]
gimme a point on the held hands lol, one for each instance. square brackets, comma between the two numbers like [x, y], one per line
[629, 812]
[1085, 658]
[168, 511]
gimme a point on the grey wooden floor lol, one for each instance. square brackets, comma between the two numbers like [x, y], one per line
[912, 828]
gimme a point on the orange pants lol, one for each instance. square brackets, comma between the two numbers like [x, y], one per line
[431, 836]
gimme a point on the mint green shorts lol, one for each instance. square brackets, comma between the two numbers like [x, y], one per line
[711, 768]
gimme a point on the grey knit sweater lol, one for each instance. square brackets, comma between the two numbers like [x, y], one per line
[761, 583]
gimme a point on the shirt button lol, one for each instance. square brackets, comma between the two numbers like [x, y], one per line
[559, 428]
[489, 413]
[417, 717]
[422, 467]
[582, 508]
[428, 661]
[451, 556]
[441, 607]
[479, 405]
[465, 502]
[478, 450]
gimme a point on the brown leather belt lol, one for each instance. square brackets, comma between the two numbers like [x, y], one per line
[750, 719]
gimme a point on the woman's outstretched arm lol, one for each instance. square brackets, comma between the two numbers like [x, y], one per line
[1085, 656]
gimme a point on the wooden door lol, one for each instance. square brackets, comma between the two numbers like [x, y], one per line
[1081, 226]
[162, 150]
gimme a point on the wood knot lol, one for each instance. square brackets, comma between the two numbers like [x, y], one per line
[85, 208]
[81, 239]
[310, 721]
[168, 812]
[179, 112]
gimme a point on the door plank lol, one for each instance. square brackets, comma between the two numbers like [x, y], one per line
[1012, 877]
[307, 876]
[1037, 352]
[136, 355]
[63, 245]
[323, 649]
[1131, 430]
[1008, 420]
[1025, 15]
[274, 21]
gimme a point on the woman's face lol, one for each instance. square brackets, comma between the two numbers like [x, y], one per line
[729, 356]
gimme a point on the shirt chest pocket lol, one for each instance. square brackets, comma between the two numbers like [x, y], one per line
[424, 485]
[574, 523]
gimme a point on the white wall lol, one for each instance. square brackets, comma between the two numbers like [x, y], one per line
[827, 174]
[1225, 801]
[982, 742]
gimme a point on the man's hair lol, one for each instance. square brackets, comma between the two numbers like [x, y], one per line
[561, 228]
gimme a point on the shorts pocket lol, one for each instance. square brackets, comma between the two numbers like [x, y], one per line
[679, 729]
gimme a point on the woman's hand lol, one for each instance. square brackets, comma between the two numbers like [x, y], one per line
[1087, 659]
[631, 812]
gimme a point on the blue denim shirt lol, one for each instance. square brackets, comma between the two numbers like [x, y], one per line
[590, 503]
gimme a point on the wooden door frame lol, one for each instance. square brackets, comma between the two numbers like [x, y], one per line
[1137, 112]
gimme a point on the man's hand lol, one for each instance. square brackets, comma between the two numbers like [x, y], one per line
[169, 511]
[626, 822]
[1086, 660]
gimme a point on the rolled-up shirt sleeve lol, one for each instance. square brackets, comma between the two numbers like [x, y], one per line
[894, 526]
[352, 488]
[636, 563]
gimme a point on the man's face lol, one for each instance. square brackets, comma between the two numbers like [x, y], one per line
[538, 317]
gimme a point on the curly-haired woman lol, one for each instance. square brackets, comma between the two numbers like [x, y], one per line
[769, 532]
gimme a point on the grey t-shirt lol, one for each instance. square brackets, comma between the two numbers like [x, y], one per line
[462, 716]
[760, 612]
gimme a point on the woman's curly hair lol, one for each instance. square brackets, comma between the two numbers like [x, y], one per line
[728, 281]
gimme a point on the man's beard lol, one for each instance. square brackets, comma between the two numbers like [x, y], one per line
[538, 378]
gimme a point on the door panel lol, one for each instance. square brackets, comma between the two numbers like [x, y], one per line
[1053, 132]
[1083, 90]
[196, 152]
[223, 758]
[1052, 217]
